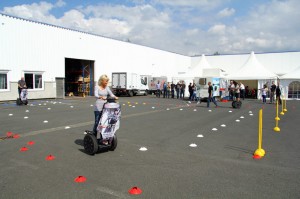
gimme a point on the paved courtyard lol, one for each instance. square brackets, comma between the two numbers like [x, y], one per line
[192, 151]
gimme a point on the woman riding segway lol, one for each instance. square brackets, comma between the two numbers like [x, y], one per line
[94, 138]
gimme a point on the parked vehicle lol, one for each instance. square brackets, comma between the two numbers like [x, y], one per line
[130, 84]
[152, 81]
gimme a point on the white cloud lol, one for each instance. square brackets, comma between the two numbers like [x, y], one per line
[198, 4]
[217, 29]
[60, 3]
[226, 12]
[174, 25]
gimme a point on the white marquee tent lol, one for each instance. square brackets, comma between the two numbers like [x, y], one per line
[253, 70]
[295, 74]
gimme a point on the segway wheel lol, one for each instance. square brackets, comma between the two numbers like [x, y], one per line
[233, 104]
[18, 102]
[25, 102]
[90, 144]
[114, 143]
[239, 105]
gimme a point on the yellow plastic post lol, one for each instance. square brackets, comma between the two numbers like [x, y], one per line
[260, 152]
[282, 113]
[285, 110]
[277, 118]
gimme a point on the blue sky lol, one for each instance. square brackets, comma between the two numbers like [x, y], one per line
[189, 27]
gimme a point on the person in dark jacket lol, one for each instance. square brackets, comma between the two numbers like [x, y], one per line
[278, 93]
[210, 95]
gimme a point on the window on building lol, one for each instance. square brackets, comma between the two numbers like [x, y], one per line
[34, 80]
[294, 90]
[3, 81]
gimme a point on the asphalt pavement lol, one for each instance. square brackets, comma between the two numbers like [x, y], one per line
[192, 151]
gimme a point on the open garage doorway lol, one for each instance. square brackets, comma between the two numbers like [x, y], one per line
[79, 77]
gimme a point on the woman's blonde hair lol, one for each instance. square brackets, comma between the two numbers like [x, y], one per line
[102, 78]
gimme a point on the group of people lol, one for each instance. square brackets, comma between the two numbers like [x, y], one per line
[272, 91]
[238, 90]
[168, 89]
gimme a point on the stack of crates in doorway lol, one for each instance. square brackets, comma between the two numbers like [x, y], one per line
[83, 86]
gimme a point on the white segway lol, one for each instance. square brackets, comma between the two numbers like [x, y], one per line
[108, 125]
[23, 98]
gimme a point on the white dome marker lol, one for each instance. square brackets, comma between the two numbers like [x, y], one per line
[230, 111]
[67, 127]
[25, 117]
[200, 136]
[143, 149]
[250, 111]
[10, 114]
[59, 102]
[168, 109]
[214, 129]
[251, 114]
[195, 109]
[49, 108]
[237, 120]
[45, 121]
[223, 125]
[153, 107]
[181, 109]
[72, 106]
[27, 111]
[92, 105]
[193, 145]
[242, 117]
[209, 110]
[133, 106]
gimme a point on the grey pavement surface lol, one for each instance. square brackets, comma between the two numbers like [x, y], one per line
[220, 166]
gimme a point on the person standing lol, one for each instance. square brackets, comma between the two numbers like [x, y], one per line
[157, 89]
[278, 94]
[168, 90]
[172, 89]
[101, 93]
[242, 89]
[237, 92]
[182, 90]
[178, 88]
[165, 89]
[194, 92]
[231, 90]
[264, 91]
[190, 91]
[210, 95]
[21, 85]
[273, 89]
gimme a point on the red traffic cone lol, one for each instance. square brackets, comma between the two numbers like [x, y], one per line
[80, 179]
[9, 134]
[135, 191]
[256, 157]
[24, 149]
[50, 157]
[16, 136]
[30, 143]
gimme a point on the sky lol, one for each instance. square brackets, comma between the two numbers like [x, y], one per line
[187, 27]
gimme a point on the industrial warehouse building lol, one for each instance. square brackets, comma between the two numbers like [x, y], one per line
[56, 61]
